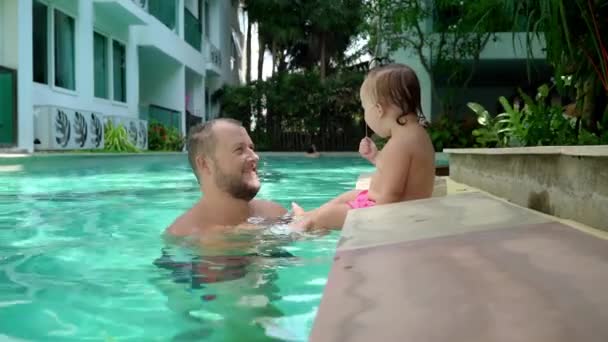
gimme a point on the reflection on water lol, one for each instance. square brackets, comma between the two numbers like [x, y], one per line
[225, 279]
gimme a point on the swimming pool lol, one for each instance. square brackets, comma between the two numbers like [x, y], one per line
[80, 248]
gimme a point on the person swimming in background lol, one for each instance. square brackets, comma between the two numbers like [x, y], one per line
[405, 168]
[312, 152]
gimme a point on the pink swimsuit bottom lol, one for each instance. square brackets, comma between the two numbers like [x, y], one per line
[362, 201]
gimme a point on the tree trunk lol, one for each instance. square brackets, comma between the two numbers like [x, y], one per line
[323, 58]
[261, 50]
[248, 53]
[260, 123]
[273, 51]
[282, 64]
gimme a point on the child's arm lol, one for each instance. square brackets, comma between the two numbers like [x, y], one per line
[392, 174]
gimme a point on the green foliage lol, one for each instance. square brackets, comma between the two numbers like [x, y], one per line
[537, 123]
[162, 138]
[448, 133]
[575, 46]
[306, 34]
[116, 139]
[299, 103]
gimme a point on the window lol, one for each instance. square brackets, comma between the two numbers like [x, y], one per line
[64, 51]
[40, 42]
[207, 18]
[165, 11]
[100, 55]
[120, 77]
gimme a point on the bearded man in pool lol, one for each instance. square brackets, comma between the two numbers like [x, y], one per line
[224, 161]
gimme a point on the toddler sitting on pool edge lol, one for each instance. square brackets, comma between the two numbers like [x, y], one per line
[405, 168]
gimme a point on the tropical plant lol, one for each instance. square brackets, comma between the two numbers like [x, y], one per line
[536, 123]
[162, 138]
[117, 138]
[449, 133]
[575, 47]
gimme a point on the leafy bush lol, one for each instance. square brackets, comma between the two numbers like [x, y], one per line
[117, 138]
[292, 110]
[537, 123]
[448, 133]
[161, 138]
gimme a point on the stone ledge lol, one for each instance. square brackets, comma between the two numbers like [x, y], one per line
[567, 182]
[586, 151]
[440, 269]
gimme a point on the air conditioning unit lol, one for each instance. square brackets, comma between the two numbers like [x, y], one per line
[137, 130]
[96, 131]
[142, 140]
[58, 128]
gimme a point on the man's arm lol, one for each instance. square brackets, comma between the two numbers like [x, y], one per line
[268, 209]
[394, 175]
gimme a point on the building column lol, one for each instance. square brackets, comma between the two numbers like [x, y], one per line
[181, 104]
[132, 59]
[198, 99]
[180, 19]
[85, 73]
[25, 76]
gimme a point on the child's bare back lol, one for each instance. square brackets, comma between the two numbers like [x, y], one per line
[405, 167]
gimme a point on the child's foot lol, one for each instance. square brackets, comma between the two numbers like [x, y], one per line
[301, 221]
[297, 210]
[304, 223]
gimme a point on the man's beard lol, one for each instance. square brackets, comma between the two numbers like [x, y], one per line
[233, 185]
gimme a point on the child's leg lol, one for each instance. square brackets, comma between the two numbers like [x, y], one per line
[329, 216]
[344, 198]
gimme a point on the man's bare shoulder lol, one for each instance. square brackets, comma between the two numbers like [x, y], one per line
[264, 208]
[184, 225]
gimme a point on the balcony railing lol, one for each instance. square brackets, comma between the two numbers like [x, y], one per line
[214, 54]
[192, 30]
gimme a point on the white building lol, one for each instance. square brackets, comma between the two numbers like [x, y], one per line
[502, 67]
[131, 59]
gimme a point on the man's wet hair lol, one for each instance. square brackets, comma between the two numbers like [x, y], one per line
[202, 140]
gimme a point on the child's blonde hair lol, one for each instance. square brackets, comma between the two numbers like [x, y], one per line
[395, 84]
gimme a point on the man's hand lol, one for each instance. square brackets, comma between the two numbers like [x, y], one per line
[368, 149]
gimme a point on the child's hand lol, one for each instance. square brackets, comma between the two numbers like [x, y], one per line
[368, 149]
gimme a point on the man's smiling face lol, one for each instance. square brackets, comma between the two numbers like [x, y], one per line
[234, 165]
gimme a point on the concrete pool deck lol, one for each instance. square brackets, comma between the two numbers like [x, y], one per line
[465, 267]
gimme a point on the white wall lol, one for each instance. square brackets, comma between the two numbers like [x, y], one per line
[25, 119]
[162, 84]
[9, 34]
[195, 93]
[158, 35]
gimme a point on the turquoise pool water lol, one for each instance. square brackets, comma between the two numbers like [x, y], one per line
[80, 248]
